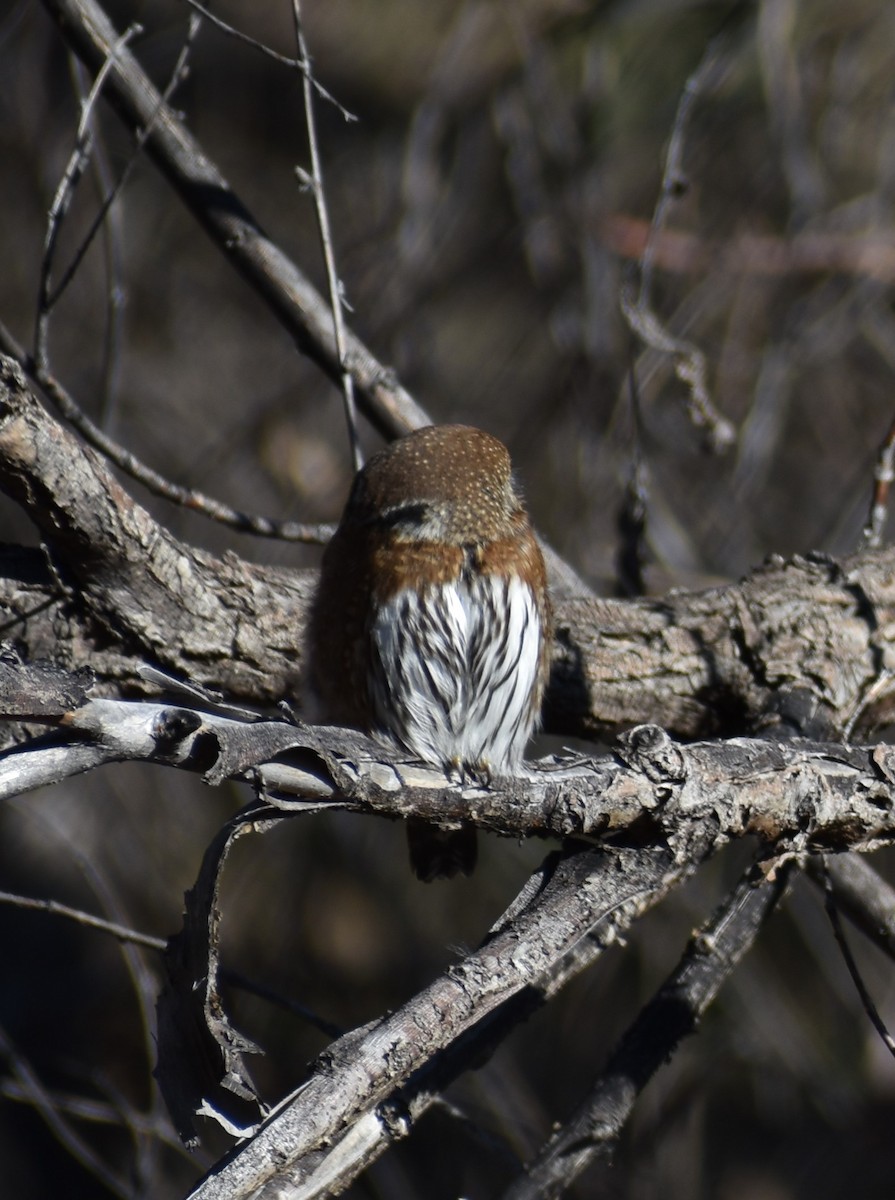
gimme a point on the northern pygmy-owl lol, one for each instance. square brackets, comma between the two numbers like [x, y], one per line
[430, 623]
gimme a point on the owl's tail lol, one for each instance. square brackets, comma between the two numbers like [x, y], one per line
[437, 853]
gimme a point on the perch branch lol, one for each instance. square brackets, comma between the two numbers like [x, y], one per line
[810, 796]
[807, 642]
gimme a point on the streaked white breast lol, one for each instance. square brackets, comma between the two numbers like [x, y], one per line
[454, 670]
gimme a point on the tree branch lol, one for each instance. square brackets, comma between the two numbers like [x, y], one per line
[673, 1013]
[863, 895]
[357, 1086]
[807, 642]
[131, 583]
[220, 212]
[687, 800]
[811, 796]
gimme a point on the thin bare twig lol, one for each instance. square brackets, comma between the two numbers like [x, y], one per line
[788, 111]
[853, 969]
[99, 1112]
[689, 366]
[315, 182]
[883, 475]
[674, 176]
[177, 76]
[192, 498]
[197, 180]
[122, 932]
[143, 980]
[689, 361]
[284, 59]
[38, 366]
[110, 191]
[236, 979]
[113, 260]
[44, 1104]
[861, 894]
[77, 163]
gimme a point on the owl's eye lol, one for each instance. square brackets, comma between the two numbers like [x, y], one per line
[405, 518]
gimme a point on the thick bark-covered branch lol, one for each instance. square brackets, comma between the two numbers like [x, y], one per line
[122, 581]
[808, 642]
[357, 1084]
[809, 796]
[673, 1013]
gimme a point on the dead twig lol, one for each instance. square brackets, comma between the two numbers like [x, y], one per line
[314, 181]
[883, 475]
[247, 40]
[689, 361]
[674, 1012]
[848, 958]
[158, 485]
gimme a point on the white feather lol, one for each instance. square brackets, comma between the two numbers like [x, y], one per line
[454, 670]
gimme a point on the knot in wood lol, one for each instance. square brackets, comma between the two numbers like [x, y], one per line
[649, 749]
[396, 1118]
[171, 726]
[569, 813]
